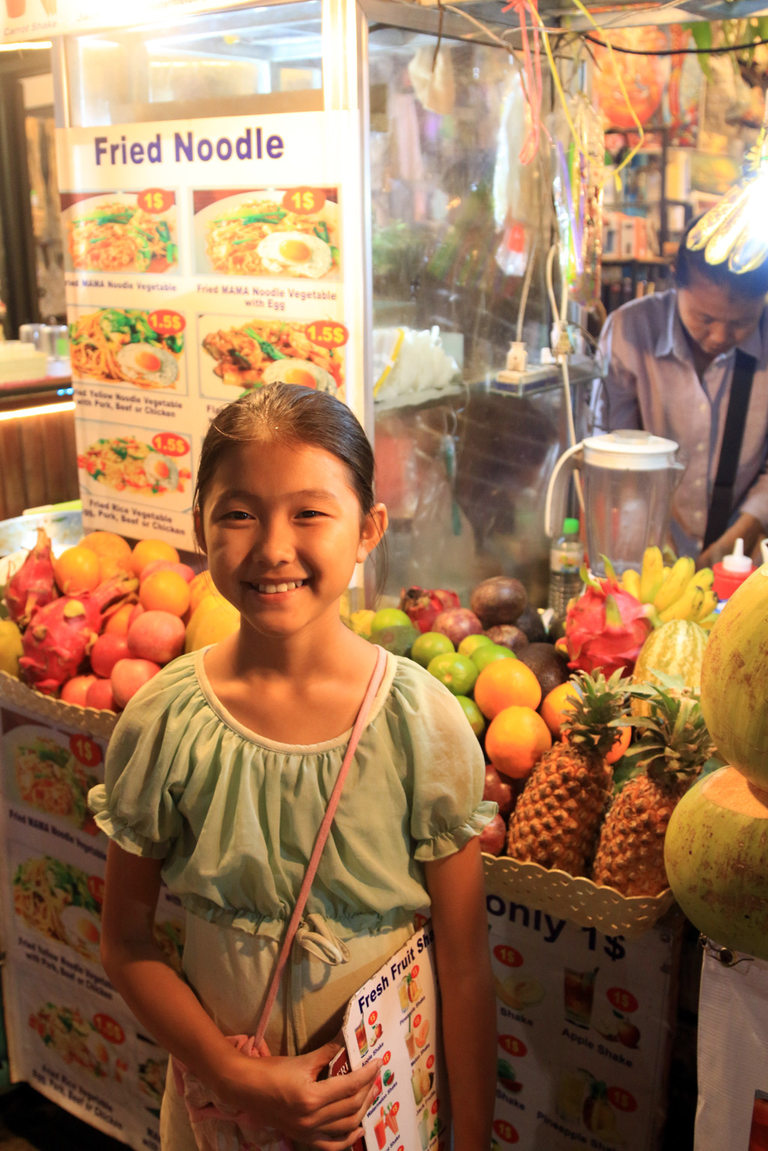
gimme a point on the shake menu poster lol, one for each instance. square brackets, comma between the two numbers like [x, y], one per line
[204, 259]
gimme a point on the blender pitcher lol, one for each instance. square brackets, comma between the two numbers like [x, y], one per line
[628, 477]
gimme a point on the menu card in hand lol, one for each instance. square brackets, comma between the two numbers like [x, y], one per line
[395, 1017]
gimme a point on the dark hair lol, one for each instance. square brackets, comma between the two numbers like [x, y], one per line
[750, 285]
[290, 413]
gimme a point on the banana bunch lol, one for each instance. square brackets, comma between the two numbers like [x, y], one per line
[675, 591]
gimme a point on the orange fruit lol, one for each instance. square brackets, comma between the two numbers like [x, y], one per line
[114, 552]
[556, 704]
[620, 744]
[145, 551]
[516, 738]
[164, 590]
[76, 570]
[506, 683]
[117, 622]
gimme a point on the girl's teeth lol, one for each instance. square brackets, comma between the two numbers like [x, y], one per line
[271, 588]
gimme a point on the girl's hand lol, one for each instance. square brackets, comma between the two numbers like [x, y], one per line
[285, 1093]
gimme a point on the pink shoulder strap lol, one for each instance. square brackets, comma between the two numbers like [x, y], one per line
[322, 835]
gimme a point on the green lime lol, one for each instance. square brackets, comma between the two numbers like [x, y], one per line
[428, 645]
[389, 617]
[473, 714]
[457, 672]
[471, 643]
[489, 653]
[398, 639]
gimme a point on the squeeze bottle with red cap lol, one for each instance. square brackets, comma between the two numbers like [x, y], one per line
[731, 572]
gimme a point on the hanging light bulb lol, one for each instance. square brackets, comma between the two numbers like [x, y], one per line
[736, 228]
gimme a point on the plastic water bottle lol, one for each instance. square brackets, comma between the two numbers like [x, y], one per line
[565, 559]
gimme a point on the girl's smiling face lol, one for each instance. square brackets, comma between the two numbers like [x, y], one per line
[283, 529]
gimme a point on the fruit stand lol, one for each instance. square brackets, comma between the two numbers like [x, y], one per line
[585, 962]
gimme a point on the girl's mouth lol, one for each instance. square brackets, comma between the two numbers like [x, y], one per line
[283, 586]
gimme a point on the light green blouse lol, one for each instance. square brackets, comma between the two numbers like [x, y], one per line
[234, 816]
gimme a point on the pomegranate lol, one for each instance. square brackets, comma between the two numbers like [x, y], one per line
[457, 623]
[423, 605]
[155, 635]
[128, 675]
[494, 836]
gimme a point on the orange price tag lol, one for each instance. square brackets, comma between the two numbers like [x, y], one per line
[326, 334]
[504, 1130]
[512, 1045]
[169, 444]
[166, 322]
[622, 1099]
[108, 1028]
[155, 200]
[303, 201]
[509, 956]
[85, 750]
[622, 1000]
[96, 887]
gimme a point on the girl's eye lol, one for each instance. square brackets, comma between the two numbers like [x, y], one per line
[235, 514]
[309, 514]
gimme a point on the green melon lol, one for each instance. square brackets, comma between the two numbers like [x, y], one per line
[734, 681]
[675, 648]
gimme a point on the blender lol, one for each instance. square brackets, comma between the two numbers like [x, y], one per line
[628, 480]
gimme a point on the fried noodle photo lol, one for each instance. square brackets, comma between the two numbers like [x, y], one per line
[262, 238]
[268, 351]
[55, 899]
[118, 344]
[49, 778]
[120, 237]
[125, 464]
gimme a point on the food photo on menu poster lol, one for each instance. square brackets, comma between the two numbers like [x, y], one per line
[288, 232]
[132, 347]
[151, 467]
[247, 354]
[121, 232]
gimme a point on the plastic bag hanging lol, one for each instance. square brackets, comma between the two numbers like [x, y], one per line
[577, 185]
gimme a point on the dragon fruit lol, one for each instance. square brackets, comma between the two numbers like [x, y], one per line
[423, 605]
[61, 633]
[33, 584]
[605, 627]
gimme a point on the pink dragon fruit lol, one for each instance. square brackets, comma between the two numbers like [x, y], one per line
[605, 627]
[33, 584]
[423, 605]
[61, 633]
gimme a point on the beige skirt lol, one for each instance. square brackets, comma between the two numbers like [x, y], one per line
[230, 972]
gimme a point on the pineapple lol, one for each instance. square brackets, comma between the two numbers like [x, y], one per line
[556, 819]
[672, 746]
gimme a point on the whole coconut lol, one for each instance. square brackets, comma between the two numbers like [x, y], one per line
[549, 665]
[499, 599]
[508, 635]
[716, 857]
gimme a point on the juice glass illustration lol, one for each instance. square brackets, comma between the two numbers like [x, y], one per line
[362, 1038]
[578, 996]
[402, 990]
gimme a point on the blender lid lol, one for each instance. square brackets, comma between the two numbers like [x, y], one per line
[630, 449]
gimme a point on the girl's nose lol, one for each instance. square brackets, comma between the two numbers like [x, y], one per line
[276, 542]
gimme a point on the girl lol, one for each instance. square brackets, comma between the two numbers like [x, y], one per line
[218, 774]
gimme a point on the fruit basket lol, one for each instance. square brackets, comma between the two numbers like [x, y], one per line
[16, 696]
[578, 900]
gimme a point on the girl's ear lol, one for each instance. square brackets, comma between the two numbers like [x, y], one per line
[199, 536]
[373, 529]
